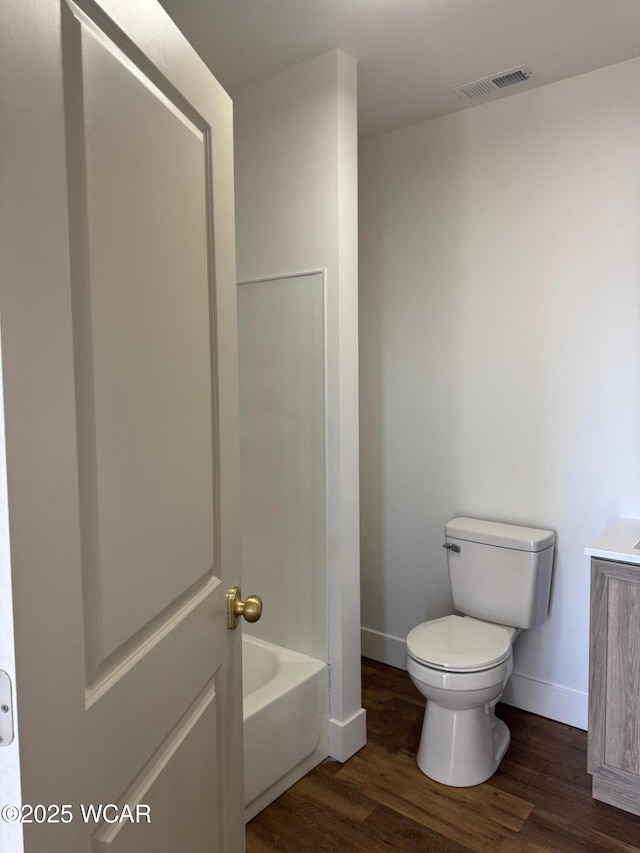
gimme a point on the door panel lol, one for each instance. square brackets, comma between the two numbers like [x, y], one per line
[142, 355]
[119, 360]
[174, 810]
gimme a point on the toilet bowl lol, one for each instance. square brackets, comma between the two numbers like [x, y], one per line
[500, 581]
[460, 665]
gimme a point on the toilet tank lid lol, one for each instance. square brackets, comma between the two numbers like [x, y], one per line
[502, 535]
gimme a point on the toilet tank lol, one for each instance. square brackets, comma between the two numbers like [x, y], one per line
[500, 572]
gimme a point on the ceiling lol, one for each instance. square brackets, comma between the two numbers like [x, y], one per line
[411, 53]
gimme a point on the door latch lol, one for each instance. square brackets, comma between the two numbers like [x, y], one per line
[6, 709]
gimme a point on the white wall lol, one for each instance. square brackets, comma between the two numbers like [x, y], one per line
[296, 210]
[500, 353]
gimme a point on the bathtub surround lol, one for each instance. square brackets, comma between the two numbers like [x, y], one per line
[296, 210]
[500, 354]
[281, 347]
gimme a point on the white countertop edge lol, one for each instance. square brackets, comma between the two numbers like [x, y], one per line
[618, 556]
[617, 542]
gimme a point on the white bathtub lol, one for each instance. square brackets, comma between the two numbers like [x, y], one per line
[285, 713]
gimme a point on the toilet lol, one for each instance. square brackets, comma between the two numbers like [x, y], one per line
[500, 583]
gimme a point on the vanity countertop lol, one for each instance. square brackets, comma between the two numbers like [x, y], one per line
[619, 542]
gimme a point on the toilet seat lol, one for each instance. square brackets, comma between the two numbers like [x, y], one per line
[459, 644]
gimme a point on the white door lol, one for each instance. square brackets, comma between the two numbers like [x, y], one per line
[119, 358]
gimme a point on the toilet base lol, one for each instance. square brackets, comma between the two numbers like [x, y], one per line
[461, 748]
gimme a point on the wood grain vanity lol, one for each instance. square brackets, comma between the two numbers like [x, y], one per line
[614, 666]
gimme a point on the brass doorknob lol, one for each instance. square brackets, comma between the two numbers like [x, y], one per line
[250, 608]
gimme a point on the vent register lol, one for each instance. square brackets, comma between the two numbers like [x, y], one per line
[495, 83]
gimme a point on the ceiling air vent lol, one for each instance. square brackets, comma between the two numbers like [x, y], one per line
[495, 83]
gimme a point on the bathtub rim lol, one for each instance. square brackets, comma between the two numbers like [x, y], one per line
[306, 666]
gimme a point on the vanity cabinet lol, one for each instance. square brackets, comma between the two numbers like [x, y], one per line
[614, 683]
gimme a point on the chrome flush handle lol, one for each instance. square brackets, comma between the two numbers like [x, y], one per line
[451, 546]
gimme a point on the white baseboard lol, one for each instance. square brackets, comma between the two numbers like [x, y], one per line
[383, 647]
[548, 700]
[346, 738]
[540, 697]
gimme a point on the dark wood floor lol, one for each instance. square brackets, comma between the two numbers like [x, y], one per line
[539, 800]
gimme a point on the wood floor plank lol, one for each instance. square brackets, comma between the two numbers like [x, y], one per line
[293, 825]
[399, 833]
[396, 725]
[331, 794]
[537, 742]
[378, 678]
[567, 836]
[258, 839]
[371, 768]
[466, 829]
